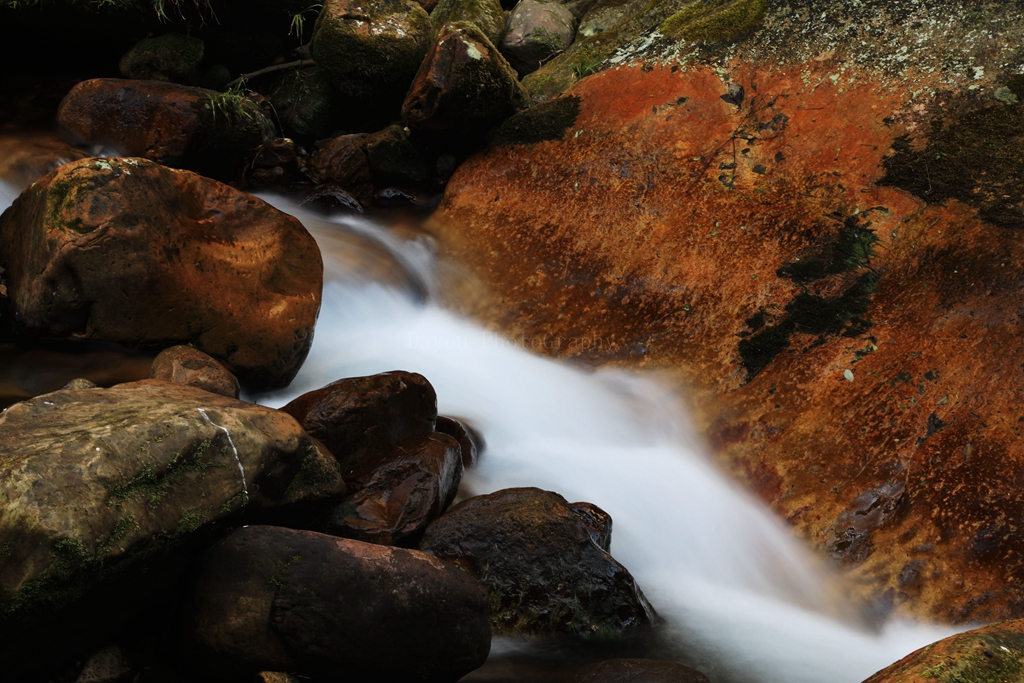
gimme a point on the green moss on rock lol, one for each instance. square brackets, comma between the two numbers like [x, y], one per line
[486, 15]
[714, 22]
[170, 57]
[545, 121]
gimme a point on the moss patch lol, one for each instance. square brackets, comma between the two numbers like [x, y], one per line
[545, 121]
[151, 485]
[715, 22]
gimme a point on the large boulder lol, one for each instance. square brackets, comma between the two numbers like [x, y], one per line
[371, 49]
[543, 569]
[177, 125]
[127, 251]
[396, 493]
[991, 654]
[867, 391]
[537, 31]
[171, 57]
[336, 609]
[105, 489]
[356, 417]
[464, 82]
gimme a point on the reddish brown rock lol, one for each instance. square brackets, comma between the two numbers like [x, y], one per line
[127, 251]
[176, 125]
[463, 82]
[316, 605]
[342, 161]
[358, 416]
[636, 671]
[668, 224]
[991, 654]
[543, 569]
[188, 365]
[393, 495]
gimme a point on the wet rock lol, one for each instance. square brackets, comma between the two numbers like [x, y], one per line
[394, 159]
[25, 158]
[597, 522]
[276, 164]
[371, 49]
[603, 15]
[201, 130]
[81, 383]
[636, 671]
[190, 366]
[486, 15]
[464, 83]
[317, 605]
[308, 104]
[394, 494]
[987, 655]
[544, 571]
[342, 161]
[395, 196]
[332, 197]
[127, 251]
[107, 490]
[471, 442]
[357, 416]
[536, 31]
[170, 57]
[109, 665]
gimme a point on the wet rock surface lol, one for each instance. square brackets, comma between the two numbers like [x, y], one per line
[393, 495]
[190, 366]
[544, 571]
[471, 442]
[107, 489]
[358, 416]
[636, 671]
[336, 608]
[201, 130]
[127, 251]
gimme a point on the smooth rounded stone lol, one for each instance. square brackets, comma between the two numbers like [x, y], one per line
[342, 161]
[537, 30]
[171, 57]
[990, 654]
[109, 665]
[269, 598]
[308, 104]
[188, 365]
[464, 82]
[25, 158]
[177, 125]
[107, 490]
[371, 49]
[486, 15]
[396, 493]
[127, 251]
[394, 159]
[357, 416]
[537, 558]
[636, 671]
[470, 440]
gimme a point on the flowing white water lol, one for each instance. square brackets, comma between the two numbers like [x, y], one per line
[742, 596]
[744, 600]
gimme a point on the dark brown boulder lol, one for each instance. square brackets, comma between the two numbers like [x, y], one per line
[597, 522]
[276, 599]
[395, 494]
[636, 671]
[127, 251]
[394, 159]
[544, 571]
[188, 365]
[202, 130]
[464, 81]
[357, 416]
[470, 440]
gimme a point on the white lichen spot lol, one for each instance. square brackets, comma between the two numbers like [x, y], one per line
[979, 72]
[848, 374]
[473, 52]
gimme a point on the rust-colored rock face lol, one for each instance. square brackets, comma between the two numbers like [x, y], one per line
[852, 351]
[127, 251]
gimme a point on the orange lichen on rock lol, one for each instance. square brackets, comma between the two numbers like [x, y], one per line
[851, 352]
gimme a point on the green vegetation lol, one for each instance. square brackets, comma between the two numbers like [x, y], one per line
[583, 66]
[151, 485]
[276, 580]
[299, 21]
[717, 21]
[545, 121]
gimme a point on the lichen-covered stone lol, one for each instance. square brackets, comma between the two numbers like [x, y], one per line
[321, 606]
[464, 83]
[486, 15]
[545, 572]
[131, 252]
[176, 125]
[170, 57]
[308, 104]
[991, 654]
[371, 49]
[103, 485]
[537, 31]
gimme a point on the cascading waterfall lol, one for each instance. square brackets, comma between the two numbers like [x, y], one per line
[745, 601]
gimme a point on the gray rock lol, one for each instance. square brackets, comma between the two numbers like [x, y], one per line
[537, 31]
